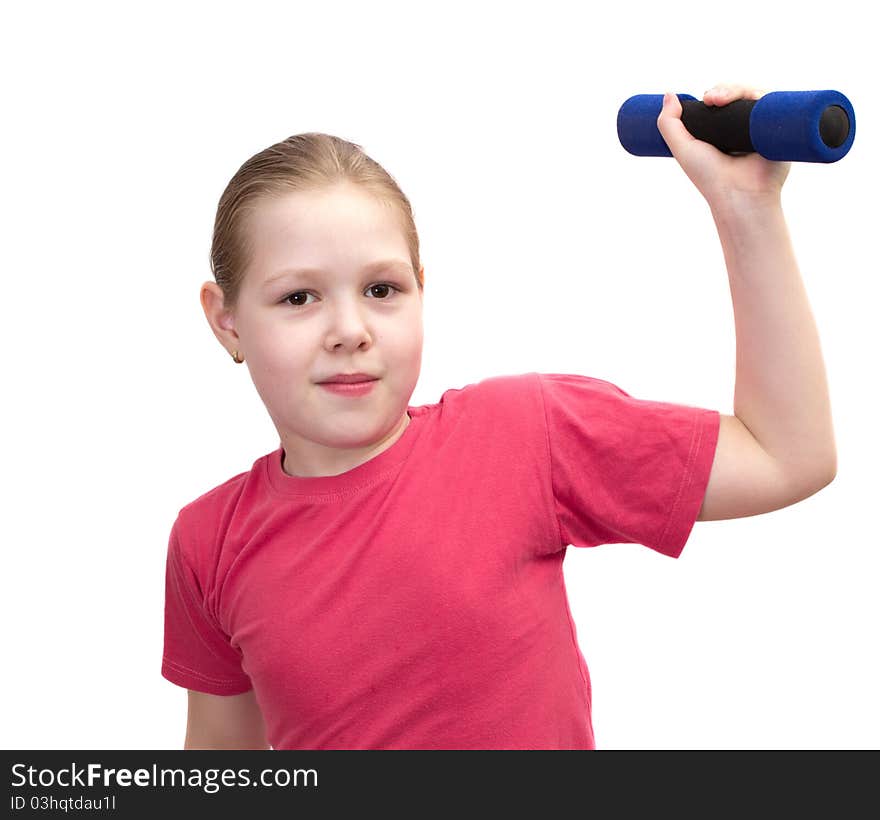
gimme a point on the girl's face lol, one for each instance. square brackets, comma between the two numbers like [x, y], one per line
[357, 310]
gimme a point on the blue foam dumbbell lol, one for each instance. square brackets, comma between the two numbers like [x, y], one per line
[798, 126]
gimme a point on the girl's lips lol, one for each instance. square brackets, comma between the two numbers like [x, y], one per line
[353, 389]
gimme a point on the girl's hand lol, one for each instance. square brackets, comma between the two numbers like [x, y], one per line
[718, 176]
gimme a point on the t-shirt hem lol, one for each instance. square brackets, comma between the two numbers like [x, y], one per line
[200, 683]
[695, 479]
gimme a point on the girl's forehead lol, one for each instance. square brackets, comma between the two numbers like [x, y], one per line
[305, 230]
[314, 209]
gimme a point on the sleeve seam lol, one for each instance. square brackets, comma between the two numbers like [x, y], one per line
[186, 671]
[696, 439]
[549, 452]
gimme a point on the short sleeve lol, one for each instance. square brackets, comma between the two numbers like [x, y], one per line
[625, 470]
[197, 654]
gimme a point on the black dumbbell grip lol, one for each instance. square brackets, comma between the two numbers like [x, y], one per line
[724, 126]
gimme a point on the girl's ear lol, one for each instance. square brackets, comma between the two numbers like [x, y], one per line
[221, 321]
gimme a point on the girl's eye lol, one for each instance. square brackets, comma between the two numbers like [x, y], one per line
[299, 293]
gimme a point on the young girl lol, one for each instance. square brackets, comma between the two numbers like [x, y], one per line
[391, 576]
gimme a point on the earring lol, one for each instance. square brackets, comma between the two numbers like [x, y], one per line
[236, 358]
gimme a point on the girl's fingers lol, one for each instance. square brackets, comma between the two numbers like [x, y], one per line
[670, 125]
[724, 93]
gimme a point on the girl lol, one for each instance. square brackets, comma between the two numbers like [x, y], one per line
[391, 576]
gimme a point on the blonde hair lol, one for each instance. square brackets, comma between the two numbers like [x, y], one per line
[303, 162]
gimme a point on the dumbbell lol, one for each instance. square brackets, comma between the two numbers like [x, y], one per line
[799, 126]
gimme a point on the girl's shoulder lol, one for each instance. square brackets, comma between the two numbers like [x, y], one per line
[220, 501]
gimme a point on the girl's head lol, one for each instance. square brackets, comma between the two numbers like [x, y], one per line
[316, 260]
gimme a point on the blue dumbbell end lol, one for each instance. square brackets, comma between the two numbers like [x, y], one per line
[803, 126]
[637, 125]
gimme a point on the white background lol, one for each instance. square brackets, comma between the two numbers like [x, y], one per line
[546, 247]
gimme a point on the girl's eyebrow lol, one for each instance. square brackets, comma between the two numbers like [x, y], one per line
[382, 264]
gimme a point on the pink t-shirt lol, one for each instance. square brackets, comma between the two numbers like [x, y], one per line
[417, 601]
